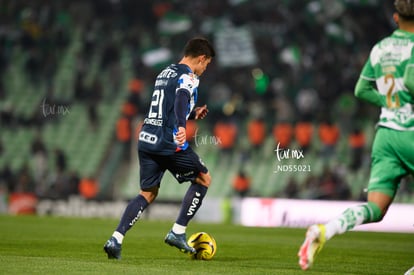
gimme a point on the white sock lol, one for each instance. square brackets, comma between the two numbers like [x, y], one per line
[118, 236]
[179, 229]
[346, 221]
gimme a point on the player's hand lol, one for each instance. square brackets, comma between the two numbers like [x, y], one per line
[180, 136]
[201, 112]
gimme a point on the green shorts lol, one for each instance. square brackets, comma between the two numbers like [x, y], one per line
[392, 158]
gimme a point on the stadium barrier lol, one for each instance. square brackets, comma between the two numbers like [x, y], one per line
[257, 212]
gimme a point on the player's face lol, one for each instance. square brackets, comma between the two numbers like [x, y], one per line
[203, 62]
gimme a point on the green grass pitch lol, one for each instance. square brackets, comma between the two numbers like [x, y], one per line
[51, 245]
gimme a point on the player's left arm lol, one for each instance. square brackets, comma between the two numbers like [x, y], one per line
[365, 90]
[180, 106]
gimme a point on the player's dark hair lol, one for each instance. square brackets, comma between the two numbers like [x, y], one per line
[199, 46]
[405, 9]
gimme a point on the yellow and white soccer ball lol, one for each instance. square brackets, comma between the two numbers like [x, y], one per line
[205, 245]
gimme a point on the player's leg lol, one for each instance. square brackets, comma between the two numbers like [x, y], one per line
[150, 177]
[134, 210]
[188, 167]
[390, 161]
[317, 235]
[193, 199]
[386, 172]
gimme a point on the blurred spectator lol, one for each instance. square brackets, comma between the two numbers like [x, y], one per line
[94, 95]
[39, 161]
[310, 188]
[283, 134]
[110, 55]
[80, 92]
[327, 186]
[307, 102]
[33, 66]
[124, 134]
[24, 181]
[225, 132]
[8, 178]
[88, 187]
[356, 142]
[304, 134]
[256, 132]
[61, 162]
[129, 109]
[291, 189]
[3, 198]
[241, 184]
[135, 87]
[73, 183]
[59, 185]
[2, 90]
[7, 117]
[329, 137]
[332, 186]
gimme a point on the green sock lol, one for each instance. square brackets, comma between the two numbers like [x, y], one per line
[353, 216]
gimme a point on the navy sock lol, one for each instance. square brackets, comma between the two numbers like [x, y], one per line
[132, 213]
[191, 203]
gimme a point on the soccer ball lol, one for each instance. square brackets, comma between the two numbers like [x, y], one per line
[205, 245]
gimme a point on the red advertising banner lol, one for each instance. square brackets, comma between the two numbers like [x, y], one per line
[22, 203]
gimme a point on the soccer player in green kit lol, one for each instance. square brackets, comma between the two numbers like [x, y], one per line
[390, 67]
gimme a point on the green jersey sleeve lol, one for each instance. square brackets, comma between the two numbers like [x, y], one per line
[365, 90]
[365, 87]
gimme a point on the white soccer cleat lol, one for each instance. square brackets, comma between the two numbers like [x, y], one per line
[314, 241]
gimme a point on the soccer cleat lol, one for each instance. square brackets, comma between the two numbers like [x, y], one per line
[113, 249]
[314, 241]
[179, 241]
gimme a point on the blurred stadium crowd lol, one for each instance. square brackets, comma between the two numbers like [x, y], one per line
[284, 74]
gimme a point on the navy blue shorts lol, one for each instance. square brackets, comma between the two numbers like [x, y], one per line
[184, 166]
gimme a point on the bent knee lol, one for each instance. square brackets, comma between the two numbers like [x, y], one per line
[150, 194]
[204, 179]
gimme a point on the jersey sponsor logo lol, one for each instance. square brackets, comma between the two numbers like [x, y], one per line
[147, 137]
[153, 121]
[136, 217]
[167, 73]
[194, 204]
[182, 175]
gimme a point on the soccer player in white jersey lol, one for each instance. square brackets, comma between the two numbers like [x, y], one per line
[387, 81]
[163, 146]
